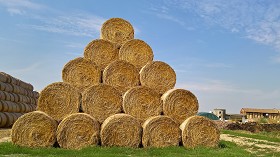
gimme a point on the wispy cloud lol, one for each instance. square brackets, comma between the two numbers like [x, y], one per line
[19, 6]
[257, 20]
[26, 69]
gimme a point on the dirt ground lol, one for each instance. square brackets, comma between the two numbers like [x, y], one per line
[5, 135]
[251, 144]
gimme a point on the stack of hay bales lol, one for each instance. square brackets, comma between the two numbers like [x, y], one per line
[127, 99]
[16, 98]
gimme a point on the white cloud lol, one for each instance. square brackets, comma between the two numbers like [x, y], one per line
[258, 20]
[19, 7]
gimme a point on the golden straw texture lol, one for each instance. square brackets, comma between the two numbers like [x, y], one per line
[34, 129]
[101, 101]
[179, 104]
[142, 103]
[158, 75]
[117, 30]
[136, 52]
[199, 131]
[121, 75]
[101, 52]
[161, 131]
[59, 99]
[81, 73]
[78, 130]
[121, 130]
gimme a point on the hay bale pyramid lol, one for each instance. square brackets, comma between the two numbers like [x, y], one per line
[16, 98]
[117, 95]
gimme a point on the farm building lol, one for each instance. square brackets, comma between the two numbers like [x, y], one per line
[252, 113]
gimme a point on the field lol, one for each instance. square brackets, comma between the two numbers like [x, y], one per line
[233, 143]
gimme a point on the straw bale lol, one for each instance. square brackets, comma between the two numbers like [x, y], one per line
[136, 52]
[158, 76]
[142, 103]
[101, 52]
[4, 105]
[3, 119]
[179, 104]
[13, 80]
[101, 101]
[59, 99]
[121, 75]
[117, 30]
[199, 131]
[2, 86]
[77, 131]
[10, 119]
[81, 73]
[3, 77]
[34, 129]
[2, 95]
[161, 131]
[121, 130]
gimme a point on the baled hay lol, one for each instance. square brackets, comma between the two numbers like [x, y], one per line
[4, 107]
[77, 131]
[199, 131]
[161, 131]
[121, 75]
[3, 77]
[101, 101]
[158, 76]
[136, 52]
[179, 104]
[121, 130]
[117, 31]
[101, 52]
[34, 129]
[142, 103]
[10, 79]
[81, 73]
[3, 120]
[59, 99]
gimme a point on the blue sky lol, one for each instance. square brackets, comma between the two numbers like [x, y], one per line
[226, 52]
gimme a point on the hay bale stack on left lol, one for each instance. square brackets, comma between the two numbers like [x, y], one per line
[16, 98]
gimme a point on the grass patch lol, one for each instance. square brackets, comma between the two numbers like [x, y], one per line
[261, 136]
[225, 149]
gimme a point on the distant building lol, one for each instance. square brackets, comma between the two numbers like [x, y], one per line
[252, 113]
[220, 113]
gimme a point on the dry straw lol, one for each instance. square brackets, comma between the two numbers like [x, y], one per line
[59, 99]
[101, 101]
[77, 131]
[117, 30]
[158, 76]
[121, 75]
[101, 52]
[121, 130]
[34, 129]
[81, 73]
[161, 131]
[199, 131]
[136, 52]
[179, 104]
[142, 103]
[3, 120]
[10, 79]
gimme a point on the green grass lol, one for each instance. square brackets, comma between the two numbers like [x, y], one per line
[272, 136]
[227, 149]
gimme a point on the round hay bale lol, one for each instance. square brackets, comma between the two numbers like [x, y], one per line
[117, 30]
[3, 77]
[3, 120]
[16, 97]
[7, 96]
[101, 52]
[179, 104]
[5, 106]
[158, 76]
[1, 106]
[10, 119]
[81, 73]
[25, 85]
[2, 95]
[59, 99]
[77, 131]
[2, 86]
[199, 131]
[34, 129]
[136, 52]
[101, 101]
[121, 130]
[142, 103]
[121, 75]
[161, 131]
